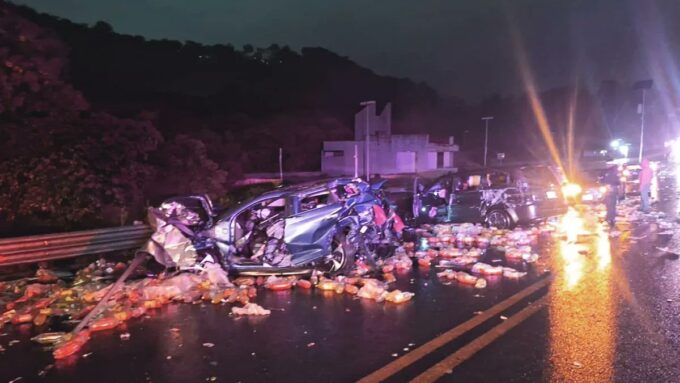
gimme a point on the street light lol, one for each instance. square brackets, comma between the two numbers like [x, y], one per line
[486, 136]
[643, 85]
[368, 132]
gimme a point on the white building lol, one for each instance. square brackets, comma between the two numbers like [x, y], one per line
[388, 153]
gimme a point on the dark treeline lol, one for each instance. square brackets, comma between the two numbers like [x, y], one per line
[95, 125]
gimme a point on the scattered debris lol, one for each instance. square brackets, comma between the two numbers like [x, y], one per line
[49, 337]
[398, 296]
[250, 309]
[45, 370]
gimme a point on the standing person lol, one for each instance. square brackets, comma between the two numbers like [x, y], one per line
[611, 179]
[646, 175]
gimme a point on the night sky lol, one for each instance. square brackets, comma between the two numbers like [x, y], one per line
[460, 47]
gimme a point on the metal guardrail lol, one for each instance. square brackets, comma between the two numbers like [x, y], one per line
[50, 247]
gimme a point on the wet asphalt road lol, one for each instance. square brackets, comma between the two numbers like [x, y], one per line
[311, 335]
[613, 315]
[608, 319]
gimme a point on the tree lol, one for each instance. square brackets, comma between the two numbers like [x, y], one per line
[61, 162]
[183, 167]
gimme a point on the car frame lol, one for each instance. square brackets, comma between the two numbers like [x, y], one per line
[314, 225]
[307, 233]
[501, 197]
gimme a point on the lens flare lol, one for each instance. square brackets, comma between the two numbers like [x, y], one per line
[571, 190]
[534, 100]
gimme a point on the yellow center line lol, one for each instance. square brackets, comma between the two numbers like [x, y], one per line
[447, 365]
[406, 360]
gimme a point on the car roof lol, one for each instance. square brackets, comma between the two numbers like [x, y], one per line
[306, 187]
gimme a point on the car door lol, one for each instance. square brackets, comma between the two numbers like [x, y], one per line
[465, 200]
[466, 206]
[432, 203]
[308, 232]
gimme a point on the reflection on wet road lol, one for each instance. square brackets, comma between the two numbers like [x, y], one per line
[613, 304]
[582, 309]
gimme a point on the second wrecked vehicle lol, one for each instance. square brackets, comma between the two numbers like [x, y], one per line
[502, 197]
[314, 226]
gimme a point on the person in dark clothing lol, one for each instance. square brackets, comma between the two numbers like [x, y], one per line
[611, 179]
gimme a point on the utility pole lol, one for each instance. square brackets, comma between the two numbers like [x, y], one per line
[367, 149]
[486, 136]
[643, 85]
[281, 165]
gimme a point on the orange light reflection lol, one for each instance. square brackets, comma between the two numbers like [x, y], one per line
[582, 307]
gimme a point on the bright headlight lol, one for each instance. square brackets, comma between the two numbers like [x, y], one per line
[571, 190]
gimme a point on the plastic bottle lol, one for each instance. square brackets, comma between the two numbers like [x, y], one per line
[71, 346]
[102, 324]
[351, 289]
[40, 319]
[22, 318]
[304, 284]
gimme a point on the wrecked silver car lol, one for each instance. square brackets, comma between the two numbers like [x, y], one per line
[291, 230]
[502, 198]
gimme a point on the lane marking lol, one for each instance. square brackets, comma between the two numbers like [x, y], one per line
[406, 360]
[447, 365]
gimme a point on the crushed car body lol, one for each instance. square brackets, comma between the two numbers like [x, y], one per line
[501, 197]
[290, 230]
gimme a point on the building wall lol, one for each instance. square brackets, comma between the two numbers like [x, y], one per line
[337, 165]
[388, 155]
[379, 125]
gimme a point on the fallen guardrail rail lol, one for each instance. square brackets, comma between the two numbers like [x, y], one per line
[50, 247]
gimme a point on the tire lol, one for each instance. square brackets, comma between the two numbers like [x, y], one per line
[499, 219]
[342, 255]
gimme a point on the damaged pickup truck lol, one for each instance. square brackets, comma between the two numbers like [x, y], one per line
[292, 230]
[502, 197]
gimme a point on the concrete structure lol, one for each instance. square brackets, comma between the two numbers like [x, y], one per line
[389, 154]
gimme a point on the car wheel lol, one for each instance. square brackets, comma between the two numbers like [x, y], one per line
[499, 219]
[341, 259]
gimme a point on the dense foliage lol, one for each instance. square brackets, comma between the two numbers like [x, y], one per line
[62, 163]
